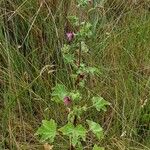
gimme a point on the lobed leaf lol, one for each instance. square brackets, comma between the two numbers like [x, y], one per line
[59, 92]
[75, 132]
[79, 132]
[96, 129]
[47, 130]
[97, 147]
[67, 129]
[99, 103]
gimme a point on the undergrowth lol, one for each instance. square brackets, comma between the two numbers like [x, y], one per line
[32, 34]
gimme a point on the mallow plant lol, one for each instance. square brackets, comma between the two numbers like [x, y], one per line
[77, 129]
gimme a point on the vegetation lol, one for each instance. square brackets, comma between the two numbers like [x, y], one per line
[64, 62]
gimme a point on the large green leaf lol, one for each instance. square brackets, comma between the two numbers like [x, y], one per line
[59, 92]
[96, 129]
[97, 147]
[99, 103]
[79, 132]
[76, 133]
[67, 129]
[47, 131]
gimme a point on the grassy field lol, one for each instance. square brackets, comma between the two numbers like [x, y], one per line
[31, 37]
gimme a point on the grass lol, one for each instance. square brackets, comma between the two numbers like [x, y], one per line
[31, 36]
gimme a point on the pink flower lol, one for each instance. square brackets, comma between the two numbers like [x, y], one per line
[67, 100]
[70, 36]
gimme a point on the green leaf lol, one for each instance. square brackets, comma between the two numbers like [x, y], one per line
[84, 47]
[59, 92]
[67, 129]
[85, 31]
[82, 3]
[74, 20]
[79, 132]
[93, 70]
[68, 58]
[75, 132]
[71, 116]
[97, 148]
[65, 49]
[99, 103]
[75, 96]
[47, 130]
[78, 110]
[96, 129]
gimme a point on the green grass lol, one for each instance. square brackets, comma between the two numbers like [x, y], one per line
[31, 36]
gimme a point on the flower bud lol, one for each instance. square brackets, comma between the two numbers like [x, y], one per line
[70, 36]
[67, 100]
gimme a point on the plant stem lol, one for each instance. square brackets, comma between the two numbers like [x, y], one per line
[79, 63]
[80, 50]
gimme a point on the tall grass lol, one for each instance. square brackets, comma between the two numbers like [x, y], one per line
[31, 36]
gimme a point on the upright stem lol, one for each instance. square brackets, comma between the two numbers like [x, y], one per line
[79, 63]
[80, 48]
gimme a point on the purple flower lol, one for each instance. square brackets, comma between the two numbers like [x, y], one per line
[70, 36]
[67, 100]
